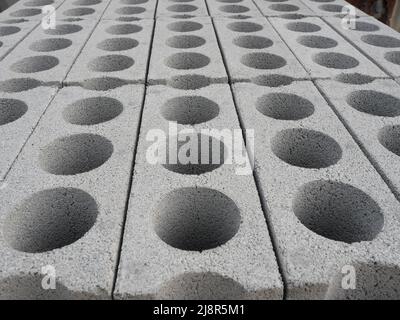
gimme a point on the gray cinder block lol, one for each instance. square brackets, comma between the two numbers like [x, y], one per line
[64, 202]
[373, 38]
[282, 8]
[332, 8]
[331, 214]
[47, 55]
[131, 10]
[252, 48]
[322, 51]
[185, 46]
[29, 9]
[82, 9]
[115, 49]
[200, 233]
[233, 9]
[171, 8]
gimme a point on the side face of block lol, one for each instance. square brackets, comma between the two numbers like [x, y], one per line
[64, 201]
[118, 50]
[235, 9]
[332, 8]
[279, 8]
[29, 9]
[252, 48]
[201, 229]
[47, 55]
[327, 206]
[323, 52]
[82, 9]
[194, 8]
[185, 46]
[130, 10]
[375, 39]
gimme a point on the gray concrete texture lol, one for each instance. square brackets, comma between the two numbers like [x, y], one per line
[81, 105]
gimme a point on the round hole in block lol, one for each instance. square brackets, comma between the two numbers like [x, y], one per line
[130, 10]
[133, 2]
[389, 137]
[75, 154]
[1, 44]
[50, 219]
[91, 111]
[102, 84]
[374, 102]
[78, 12]
[319, 42]
[335, 60]
[300, 26]
[292, 16]
[234, 9]
[13, 21]
[185, 41]
[196, 219]
[393, 57]
[283, 7]
[34, 64]
[252, 42]
[306, 148]
[11, 110]
[121, 29]
[38, 3]
[187, 60]
[111, 63]
[284, 106]
[182, 8]
[354, 78]
[86, 2]
[9, 30]
[263, 60]
[378, 40]
[272, 80]
[25, 13]
[323, 0]
[62, 29]
[331, 7]
[117, 44]
[338, 211]
[365, 26]
[18, 85]
[244, 26]
[184, 26]
[189, 82]
[230, 1]
[47, 45]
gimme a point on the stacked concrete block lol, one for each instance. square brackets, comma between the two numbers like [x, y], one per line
[373, 38]
[233, 9]
[131, 10]
[333, 8]
[194, 230]
[13, 32]
[294, 8]
[64, 202]
[185, 46]
[173, 8]
[29, 9]
[47, 55]
[82, 9]
[118, 50]
[322, 51]
[252, 48]
[371, 112]
[330, 212]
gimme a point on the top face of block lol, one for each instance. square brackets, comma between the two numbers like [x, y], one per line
[31, 9]
[233, 9]
[282, 8]
[130, 10]
[375, 39]
[322, 51]
[333, 8]
[172, 8]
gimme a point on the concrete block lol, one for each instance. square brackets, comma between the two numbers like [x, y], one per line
[252, 48]
[376, 40]
[118, 50]
[171, 8]
[47, 55]
[64, 202]
[338, 8]
[330, 211]
[233, 9]
[183, 47]
[82, 9]
[371, 112]
[292, 9]
[13, 32]
[29, 9]
[131, 10]
[200, 233]
[321, 50]
[22, 103]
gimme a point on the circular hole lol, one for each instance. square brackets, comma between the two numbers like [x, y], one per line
[196, 219]
[75, 154]
[253, 42]
[189, 110]
[354, 78]
[323, 0]
[292, 16]
[34, 64]
[86, 2]
[62, 29]
[6, 31]
[47, 45]
[284, 7]
[263, 60]
[26, 13]
[78, 12]
[13, 21]
[1, 44]
[335, 60]
[187, 60]
[91, 111]
[393, 57]
[272, 80]
[306, 148]
[117, 44]
[303, 27]
[230, 1]
[338, 211]
[276, 0]
[127, 19]
[123, 29]
[365, 26]
[234, 9]
[38, 3]
[102, 84]
[243, 26]
[185, 42]
[110, 63]
[189, 82]
[18, 85]
[182, 16]
[389, 137]
[130, 10]
[182, 8]
[195, 154]
[11, 110]
[184, 26]
[133, 2]
[284, 106]
[50, 219]
[317, 42]
[374, 102]
[331, 7]
[381, 41]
